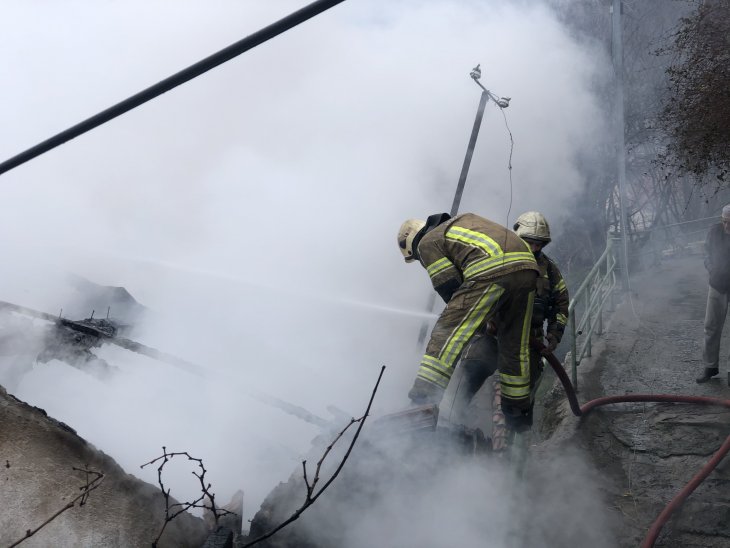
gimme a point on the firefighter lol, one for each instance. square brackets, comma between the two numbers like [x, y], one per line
[484, 272]
[550, 305]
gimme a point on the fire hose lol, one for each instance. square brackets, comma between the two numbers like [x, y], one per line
[580, 411]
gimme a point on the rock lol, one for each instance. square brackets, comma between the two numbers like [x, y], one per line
[38, 480]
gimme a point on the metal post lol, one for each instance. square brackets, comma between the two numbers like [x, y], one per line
[501, 102]
[423, 332]
[611, 263]
[618, 67]
[469, 153]
[574, 352]
[599, 328]
[589, 324]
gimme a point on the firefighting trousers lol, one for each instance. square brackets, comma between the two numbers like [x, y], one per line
[506, 301]
[479, 362]
[715, 313]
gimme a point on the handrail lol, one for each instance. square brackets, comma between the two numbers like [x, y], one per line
[674, 238]
[596, 289]
[714, 218]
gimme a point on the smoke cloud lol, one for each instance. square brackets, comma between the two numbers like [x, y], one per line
[253, 211]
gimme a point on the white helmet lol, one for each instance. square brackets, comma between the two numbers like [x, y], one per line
[406, 235]
[532, 225]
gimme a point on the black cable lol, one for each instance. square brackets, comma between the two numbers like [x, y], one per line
[226, 54]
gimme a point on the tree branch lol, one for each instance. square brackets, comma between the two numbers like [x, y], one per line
[174, 510]
[93, 480]
[311, 495]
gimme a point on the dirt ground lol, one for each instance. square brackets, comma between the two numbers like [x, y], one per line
[646, 453]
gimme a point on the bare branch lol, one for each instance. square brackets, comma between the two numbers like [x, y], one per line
[306, 481]
[329, 448]
[311, 495]
[175, 509]
[93, 480]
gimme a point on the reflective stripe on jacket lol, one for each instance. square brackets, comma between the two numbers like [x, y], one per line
[469, 246]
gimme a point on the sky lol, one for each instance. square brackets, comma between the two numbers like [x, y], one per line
[254, 210]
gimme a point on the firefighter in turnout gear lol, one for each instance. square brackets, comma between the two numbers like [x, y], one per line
[550, 305]
[551, 298]
[484, 272]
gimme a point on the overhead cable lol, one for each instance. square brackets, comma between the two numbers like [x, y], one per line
[193, 71]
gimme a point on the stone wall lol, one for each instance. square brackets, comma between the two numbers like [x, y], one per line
[38, 455]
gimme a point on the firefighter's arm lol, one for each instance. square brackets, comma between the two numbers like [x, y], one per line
[445, 277]
[558, 319]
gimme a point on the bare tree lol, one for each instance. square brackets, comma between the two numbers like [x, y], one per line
[697, 114]
[172, 510]
[206, 500]
[655, 193]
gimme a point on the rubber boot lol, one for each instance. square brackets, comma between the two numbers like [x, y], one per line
[708, 374]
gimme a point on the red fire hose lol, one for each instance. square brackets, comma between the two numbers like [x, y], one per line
[687, 490]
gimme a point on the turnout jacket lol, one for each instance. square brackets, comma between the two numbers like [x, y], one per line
[551, 298]
[717, 258]
[469, 247]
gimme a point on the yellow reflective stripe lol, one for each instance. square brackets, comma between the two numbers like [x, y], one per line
[513, 384]
[561, 286]
[468, 326]
[490, 263]
[562, 318]
[433, 370]
[432, 377]
[514, 391]
[525, 342]
[439, 266]
[477, 239]
[435, 363]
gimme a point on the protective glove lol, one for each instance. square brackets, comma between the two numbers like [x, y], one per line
[552, 343]
[424, 392]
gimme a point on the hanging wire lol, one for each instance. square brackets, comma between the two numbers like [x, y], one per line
[502, 103]
[509, 162]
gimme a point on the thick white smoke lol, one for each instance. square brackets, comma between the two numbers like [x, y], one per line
[254, 209]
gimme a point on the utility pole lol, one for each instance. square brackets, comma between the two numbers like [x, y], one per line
[618, 68]
[501, 102]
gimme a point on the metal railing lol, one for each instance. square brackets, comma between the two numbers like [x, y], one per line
[674, 239]
[597, 288]
[588, 304]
